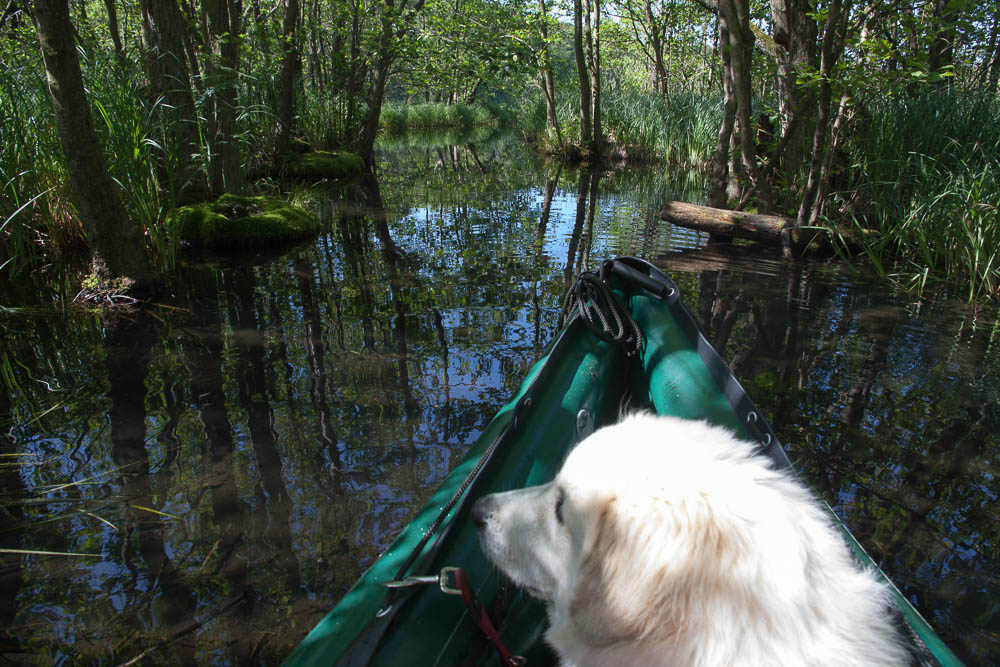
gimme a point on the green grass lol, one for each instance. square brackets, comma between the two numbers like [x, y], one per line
[682, 133]
[399, 117]
[33, 194]
[927, 168]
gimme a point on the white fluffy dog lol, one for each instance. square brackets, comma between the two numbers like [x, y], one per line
[665, 541]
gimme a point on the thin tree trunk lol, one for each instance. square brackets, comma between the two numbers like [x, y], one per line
[548, 83]
[720, 161]
[117, 244]
[593, 35]
[586, 102]
[942, 48]
[831, 153]
[737, 16]
[828, 58]
[655, 38]
[286, 84]
[116, 37]
[225, 166]
[795, 47]
[995, 64]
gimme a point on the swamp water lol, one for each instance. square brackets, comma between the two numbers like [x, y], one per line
[221, 470]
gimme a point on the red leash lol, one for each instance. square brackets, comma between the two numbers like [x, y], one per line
[454, 581]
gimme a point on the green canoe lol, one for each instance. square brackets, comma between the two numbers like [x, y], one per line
[601, 362]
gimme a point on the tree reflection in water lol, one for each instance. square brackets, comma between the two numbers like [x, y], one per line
[235, 458]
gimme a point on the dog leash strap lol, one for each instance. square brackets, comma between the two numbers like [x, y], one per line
[482, 617]
[454, 581]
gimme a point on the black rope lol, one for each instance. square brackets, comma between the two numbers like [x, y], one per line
[605, 315]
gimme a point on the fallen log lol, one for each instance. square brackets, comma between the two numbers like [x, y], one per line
[722, 222]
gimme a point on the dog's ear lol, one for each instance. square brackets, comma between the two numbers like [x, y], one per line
[600, 610]
[644, 572]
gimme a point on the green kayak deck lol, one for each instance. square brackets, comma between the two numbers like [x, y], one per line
[582, 382]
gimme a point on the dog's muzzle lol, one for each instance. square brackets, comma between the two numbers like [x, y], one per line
[482, 510]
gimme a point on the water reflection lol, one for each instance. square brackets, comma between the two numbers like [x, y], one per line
[892, 417]
[235, 458]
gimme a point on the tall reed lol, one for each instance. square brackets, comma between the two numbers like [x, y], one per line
[398, 117]
[927, 167]
[32, 196]
[36, 211]
[681, 132]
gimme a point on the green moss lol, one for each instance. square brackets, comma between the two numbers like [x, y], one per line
[335, 166]
[241, 222]
[299, 146]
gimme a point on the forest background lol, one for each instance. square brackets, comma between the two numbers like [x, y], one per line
[882, 117]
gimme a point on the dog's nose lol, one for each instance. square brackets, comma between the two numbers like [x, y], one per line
[481, 511]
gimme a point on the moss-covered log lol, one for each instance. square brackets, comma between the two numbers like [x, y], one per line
[233, 222]
[330, 165]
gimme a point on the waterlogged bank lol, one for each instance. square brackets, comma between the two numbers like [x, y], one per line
[225, 469]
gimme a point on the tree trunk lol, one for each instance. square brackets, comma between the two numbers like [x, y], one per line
[723, 222]
[720, 161]
[286, 84]
[116, 243]
[163, 46]
[991, 48]
[116, 37]
[654, 36]
[394, 23]
[593, 34]
[586, 100]
[225, 166]
[795, 50]
[741, 38]
[828, 157]
[828, 58]
[941, 55]
[375, 97]
[548, 83]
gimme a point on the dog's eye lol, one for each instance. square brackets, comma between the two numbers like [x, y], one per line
[559, 506]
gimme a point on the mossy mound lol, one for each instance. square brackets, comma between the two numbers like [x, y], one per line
[242, 222]
[331, 165]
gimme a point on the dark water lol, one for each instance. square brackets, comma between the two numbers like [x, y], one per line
[224, 467]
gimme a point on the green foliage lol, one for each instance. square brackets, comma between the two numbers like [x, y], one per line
[242, 222]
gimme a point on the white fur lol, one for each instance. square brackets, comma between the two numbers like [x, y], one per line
[679, 546]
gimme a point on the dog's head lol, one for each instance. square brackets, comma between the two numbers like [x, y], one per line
[624, 542]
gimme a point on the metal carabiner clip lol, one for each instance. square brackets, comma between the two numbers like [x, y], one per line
[443, 579]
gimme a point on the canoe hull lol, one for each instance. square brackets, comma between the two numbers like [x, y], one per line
[581, 383]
